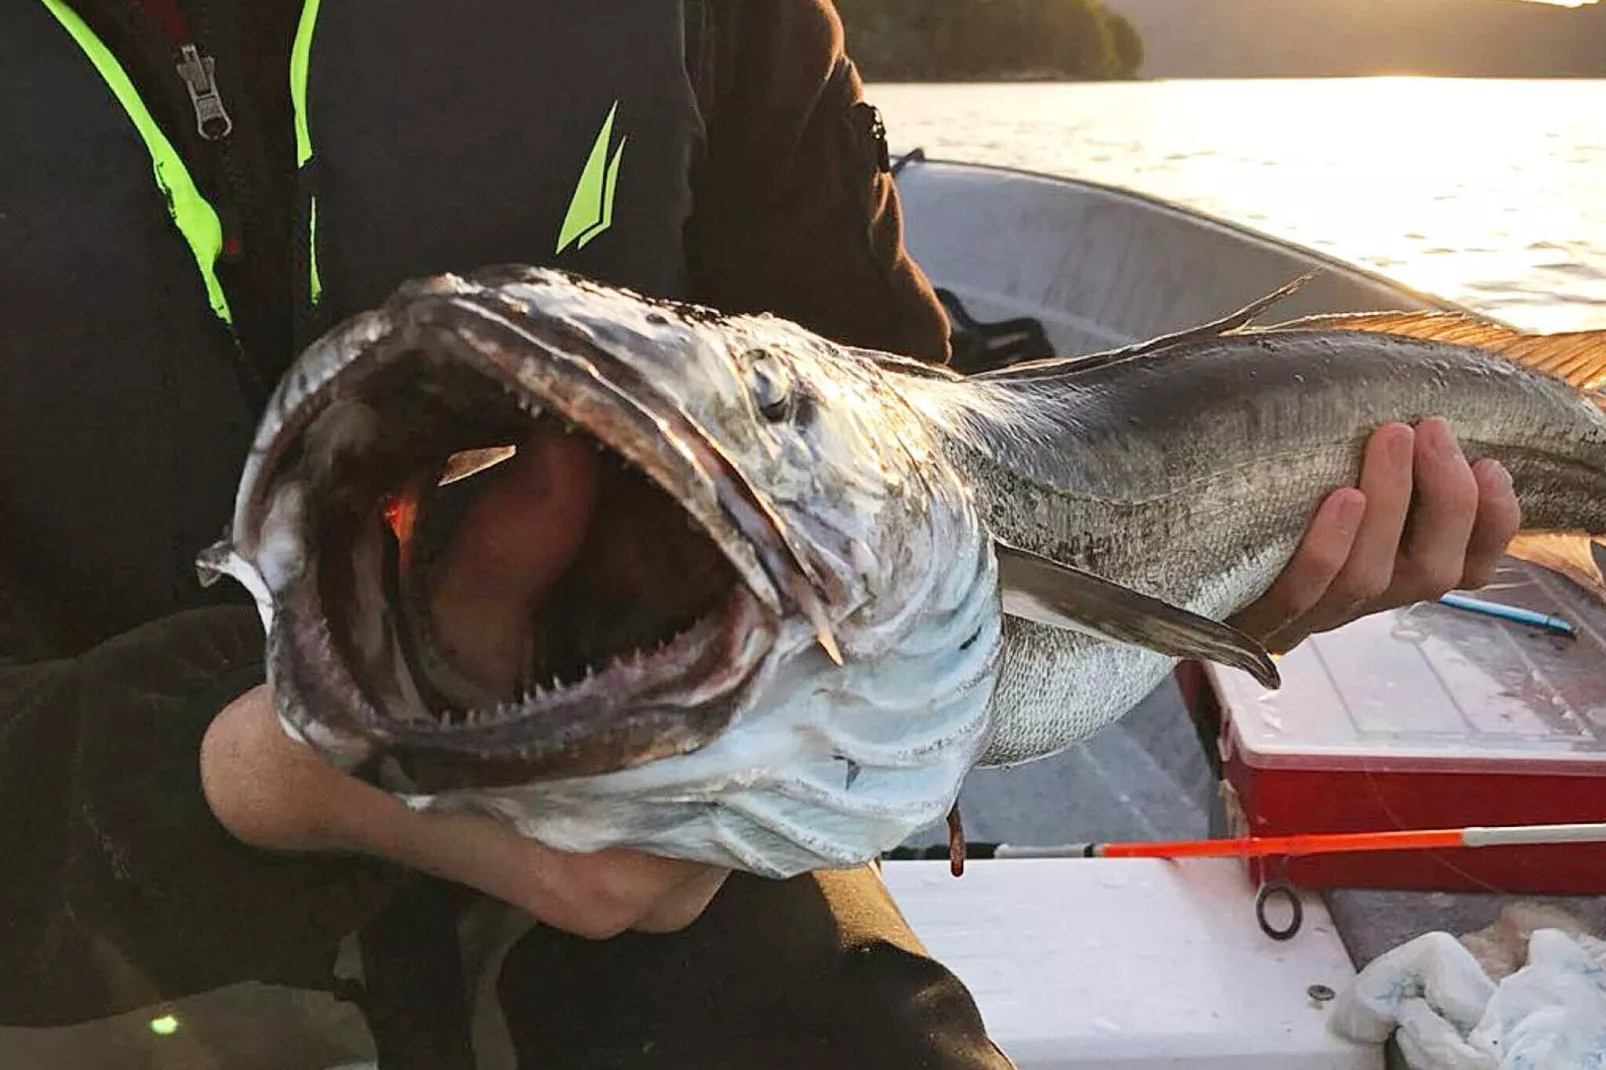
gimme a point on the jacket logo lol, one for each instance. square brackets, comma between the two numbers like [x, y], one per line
[591, 208]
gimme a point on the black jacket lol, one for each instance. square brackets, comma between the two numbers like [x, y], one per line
[125, 405]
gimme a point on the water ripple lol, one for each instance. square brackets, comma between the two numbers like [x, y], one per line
[1489, 192]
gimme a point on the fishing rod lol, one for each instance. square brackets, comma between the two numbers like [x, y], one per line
[1307, 843]
[1284, 847]
[1314, 843]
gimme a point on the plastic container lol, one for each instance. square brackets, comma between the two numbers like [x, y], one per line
[1429, 717]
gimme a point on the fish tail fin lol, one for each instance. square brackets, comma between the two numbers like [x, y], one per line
[1577, 358]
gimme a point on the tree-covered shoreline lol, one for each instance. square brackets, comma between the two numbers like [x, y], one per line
[970, 40]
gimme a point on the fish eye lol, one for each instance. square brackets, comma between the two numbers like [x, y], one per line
[771, 386]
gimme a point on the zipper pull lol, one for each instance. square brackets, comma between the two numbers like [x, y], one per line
[211, 119]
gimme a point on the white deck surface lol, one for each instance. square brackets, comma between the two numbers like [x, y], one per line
[1134, 964]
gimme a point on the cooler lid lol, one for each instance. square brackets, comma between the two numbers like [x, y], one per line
[1432, 688]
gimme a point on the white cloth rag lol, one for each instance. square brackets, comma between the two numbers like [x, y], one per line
[1449, 1015]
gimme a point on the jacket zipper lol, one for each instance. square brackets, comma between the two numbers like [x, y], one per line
[211, 117]
[197, 71]
[232, 192]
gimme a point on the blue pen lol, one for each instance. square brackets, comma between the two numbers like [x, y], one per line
[1511, 613]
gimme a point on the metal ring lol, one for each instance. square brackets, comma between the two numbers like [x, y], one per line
[1288, 892]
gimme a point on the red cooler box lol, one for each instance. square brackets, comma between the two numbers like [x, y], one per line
[1429, 717]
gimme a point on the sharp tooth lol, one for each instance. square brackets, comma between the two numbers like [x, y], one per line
[822, 629]
[828, 644]
[466, 463]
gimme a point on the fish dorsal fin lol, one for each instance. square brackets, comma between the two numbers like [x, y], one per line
[1052, 366]
[1575, 357]
[1039, 589]
[1572, 555]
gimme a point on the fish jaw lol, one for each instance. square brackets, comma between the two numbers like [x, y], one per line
[307, 546]
[830, 767]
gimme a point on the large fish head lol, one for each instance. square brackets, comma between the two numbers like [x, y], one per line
[784, 592]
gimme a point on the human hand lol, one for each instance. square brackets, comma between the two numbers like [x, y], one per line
[1422, 522]
[272, 792]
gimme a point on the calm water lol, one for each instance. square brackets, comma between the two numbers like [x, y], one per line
[1491, 193]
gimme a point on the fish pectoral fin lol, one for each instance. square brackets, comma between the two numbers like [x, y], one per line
[1572, 555]
[1038, 589]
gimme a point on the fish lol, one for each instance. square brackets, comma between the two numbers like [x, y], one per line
[868, 574]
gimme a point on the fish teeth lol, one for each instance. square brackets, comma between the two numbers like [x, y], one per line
[523, 401]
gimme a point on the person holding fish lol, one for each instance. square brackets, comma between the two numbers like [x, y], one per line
[192, 193]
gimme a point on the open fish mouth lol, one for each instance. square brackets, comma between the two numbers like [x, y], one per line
[643, 648]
